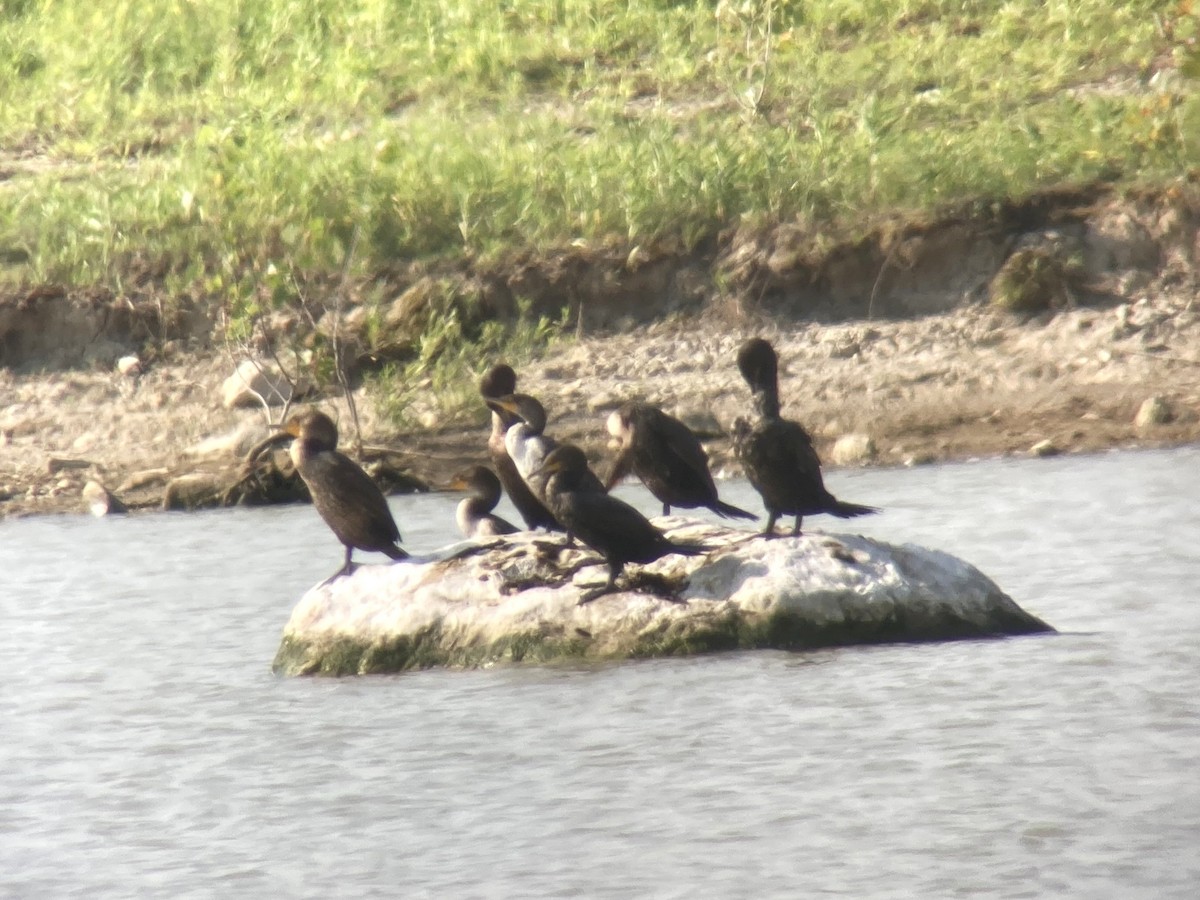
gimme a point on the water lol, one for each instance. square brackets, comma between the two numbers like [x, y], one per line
[146, 750]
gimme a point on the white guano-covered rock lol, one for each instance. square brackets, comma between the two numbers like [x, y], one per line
[516, 600]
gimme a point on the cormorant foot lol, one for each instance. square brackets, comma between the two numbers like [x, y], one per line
[344, 570]
[596, 594]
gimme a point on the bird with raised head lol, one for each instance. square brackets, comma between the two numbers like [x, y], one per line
[777, 453]
[501, 381]
[528, 445]
[351, 504]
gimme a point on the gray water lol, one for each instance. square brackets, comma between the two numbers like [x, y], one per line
[146, 750]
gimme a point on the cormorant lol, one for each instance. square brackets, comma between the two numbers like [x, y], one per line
[606, 524]
[501, 381]
[348, 500]
[474, 515]
[777, 453]
[667, 457]
[528, 447]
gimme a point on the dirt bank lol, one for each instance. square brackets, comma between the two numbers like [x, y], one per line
[960, 384]
[911, 365]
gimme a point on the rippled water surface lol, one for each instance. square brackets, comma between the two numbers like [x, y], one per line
[146, 749]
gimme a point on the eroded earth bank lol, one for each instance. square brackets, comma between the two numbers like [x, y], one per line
[896, 349]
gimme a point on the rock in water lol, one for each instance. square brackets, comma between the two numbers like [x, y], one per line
[100, 501]
[1153, 411]
[513, 600]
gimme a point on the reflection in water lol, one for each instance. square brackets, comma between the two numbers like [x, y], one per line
[147, 750]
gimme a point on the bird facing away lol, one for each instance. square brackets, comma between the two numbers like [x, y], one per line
[608, 525]
[501, 381]
[667, 457]
[777, 453]
[474, 515]
[345, 496]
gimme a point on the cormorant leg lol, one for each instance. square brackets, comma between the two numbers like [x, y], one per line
[614, 569]
[666, 509]
[349, 566]
[346, 569]
[796, 527]
[769, 530]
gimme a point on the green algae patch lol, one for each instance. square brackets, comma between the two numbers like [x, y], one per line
[346, 655]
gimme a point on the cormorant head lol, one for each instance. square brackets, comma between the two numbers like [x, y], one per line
[499, 381]
[758, 364]
[524, 407]
[479, 480]
[565, 459]
[314, 428]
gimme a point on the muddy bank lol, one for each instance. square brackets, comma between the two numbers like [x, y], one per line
[914, 363]
[962, 384]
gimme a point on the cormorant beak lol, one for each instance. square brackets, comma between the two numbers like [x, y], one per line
[507, 404]
[267, 443]
[547, 468]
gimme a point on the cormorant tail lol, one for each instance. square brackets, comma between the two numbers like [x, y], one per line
[729, 511]
[849, 510]
[394, 552]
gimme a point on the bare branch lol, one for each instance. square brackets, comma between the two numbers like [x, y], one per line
[339, 363]
[879, 277]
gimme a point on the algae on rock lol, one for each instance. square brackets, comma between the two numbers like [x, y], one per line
[515, 600]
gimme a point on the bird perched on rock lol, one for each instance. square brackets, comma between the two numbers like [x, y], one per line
[667, 457]
[501, 381]
[345, 496]
[474, 515]
[607, 524]
[778, 454]
[528, 445]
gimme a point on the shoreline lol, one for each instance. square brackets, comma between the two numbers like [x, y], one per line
[953, 386]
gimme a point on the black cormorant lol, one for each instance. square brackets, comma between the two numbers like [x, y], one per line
[501, 381]
[778, 454]
[606, 524]
[667, 457]
[474, 515]
[348, 500]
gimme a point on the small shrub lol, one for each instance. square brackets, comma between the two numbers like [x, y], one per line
[1030, 281]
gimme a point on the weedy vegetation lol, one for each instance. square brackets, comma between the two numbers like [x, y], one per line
[203, 148]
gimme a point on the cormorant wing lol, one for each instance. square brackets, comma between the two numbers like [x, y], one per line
[800, 453]
[621, 466]
[681, 447]
[614, 528]
[351, 503]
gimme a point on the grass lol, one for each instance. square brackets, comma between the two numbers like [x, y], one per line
[441, 383]
[199, 146]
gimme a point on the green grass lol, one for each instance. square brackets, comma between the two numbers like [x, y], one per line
[441, 379]
[200, 143]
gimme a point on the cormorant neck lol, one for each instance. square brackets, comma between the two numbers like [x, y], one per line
[304, 449]
[476, 506]
[499, 426]
[564, 481]
[766, 401]
[534, 416]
